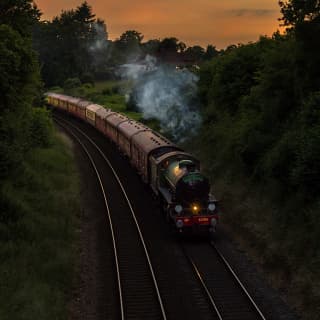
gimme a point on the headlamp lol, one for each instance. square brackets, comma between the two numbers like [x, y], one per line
[178, 208]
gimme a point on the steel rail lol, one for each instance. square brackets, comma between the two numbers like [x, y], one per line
[209, 295]
[132, 213]
[229, 268]
[108, 214]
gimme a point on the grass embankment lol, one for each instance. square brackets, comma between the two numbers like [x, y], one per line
[38, 238]
[111, 95]
[285, 249]
[288, 257]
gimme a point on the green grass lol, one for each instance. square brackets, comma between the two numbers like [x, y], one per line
[37, 235]
[110, 94]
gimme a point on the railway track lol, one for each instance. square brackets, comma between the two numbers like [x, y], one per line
[217, 293]
[138, 293]
[181, 292]
[224, 290]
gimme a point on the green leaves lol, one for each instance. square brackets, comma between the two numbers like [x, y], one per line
[262, 113]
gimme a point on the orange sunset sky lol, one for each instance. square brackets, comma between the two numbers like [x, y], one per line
[202, 22]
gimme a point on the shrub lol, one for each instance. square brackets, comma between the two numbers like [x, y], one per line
[87, 85]
[55, 89]
[40, 128]
[71, 83]
[115, 89]
[106, 91]
[87, 78]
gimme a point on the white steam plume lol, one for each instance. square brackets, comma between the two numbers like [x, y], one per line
[98, 47]
[167, 94]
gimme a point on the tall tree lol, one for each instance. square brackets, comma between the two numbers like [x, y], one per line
[131, 37]
[19, 81]
[195, 53]
[77, 38]
[128, 46]
[299, 11]
[84, 14]
[172, 45]
[19, 15]
[211, 52]
[303, 19]
[151, 46]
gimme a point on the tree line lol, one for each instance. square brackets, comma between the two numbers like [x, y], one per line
[261, 102]
[75, 44]
[261, 110]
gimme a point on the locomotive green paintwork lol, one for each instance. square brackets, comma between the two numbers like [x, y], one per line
[186, 182]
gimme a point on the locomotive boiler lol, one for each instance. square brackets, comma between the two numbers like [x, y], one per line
[186, 182]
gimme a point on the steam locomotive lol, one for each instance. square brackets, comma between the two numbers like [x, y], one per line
[173, 175]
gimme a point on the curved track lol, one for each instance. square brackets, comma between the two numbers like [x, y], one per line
[211, 291]
[139, 296]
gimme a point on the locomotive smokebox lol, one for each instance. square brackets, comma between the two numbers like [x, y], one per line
[187, 183]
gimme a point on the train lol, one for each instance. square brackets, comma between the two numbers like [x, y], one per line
[173, 175]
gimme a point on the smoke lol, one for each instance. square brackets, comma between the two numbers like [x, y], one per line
[165, 93]
[98, 47]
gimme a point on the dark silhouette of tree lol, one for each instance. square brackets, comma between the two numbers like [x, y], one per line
[131, 37]
[79, 42]
[171, 45]
[211, 52]
[20, 15]
[298, 11]
[151, 46]
[84, 14]
[303, 21]
[195, 53]
[127, 47]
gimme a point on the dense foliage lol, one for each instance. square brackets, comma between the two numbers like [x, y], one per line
[262, 102]
[19, 84]
[36, 241]
[261, 109]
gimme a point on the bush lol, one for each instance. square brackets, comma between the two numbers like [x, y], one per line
[87, 78]
[71, 83]
[116, 89]
[55, 89]
[106, 91]
[87, 85]
[306, 171]
[40, 128]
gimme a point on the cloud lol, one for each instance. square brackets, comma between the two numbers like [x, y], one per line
[251, 12]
